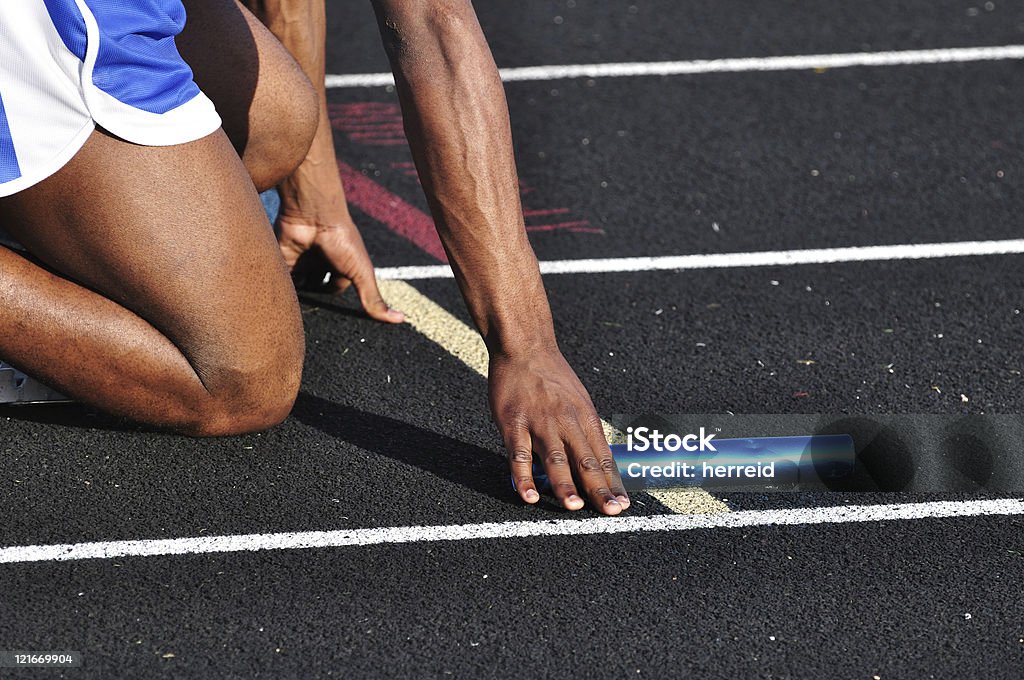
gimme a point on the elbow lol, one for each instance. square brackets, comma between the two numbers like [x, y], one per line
[444, 18]
[412, 29]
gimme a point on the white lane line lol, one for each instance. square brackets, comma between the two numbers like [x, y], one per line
[501, 530]
[740, 65]
[770, 258]
[465, 344]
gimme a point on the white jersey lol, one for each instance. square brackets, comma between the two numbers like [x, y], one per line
[67, 66]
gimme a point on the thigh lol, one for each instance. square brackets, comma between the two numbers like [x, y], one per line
[178, 236]
[261, 93]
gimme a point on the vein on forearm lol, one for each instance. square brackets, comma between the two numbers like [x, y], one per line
[457, 122]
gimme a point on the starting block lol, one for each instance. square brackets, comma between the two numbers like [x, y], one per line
[18, 388]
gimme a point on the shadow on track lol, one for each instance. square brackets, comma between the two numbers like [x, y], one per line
[70, 415]
[321, 298]
[471, 466]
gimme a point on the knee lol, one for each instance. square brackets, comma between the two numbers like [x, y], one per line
[248, 398]
[231, 416]
[282, 134]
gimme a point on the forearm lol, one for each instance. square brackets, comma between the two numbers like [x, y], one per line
[300, 25]
[457, 123]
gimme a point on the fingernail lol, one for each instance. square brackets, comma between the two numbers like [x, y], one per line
[623, 501]
[532, 496]
[574, 499]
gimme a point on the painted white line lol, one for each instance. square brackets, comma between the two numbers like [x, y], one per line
[430, 271]
[504, 530]
[359, 80]
[741, 65]
[770, 258]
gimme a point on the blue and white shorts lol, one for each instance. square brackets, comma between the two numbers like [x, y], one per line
[67, 66]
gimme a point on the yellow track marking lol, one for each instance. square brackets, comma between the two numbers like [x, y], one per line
[437, 324]
[689, 501]
[465, 344]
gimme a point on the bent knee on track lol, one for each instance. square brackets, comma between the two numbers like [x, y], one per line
[245, 399]
[249, 385]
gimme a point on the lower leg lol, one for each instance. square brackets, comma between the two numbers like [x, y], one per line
[94, 350]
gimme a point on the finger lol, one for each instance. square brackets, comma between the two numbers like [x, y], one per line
[520, 461]
[587, 463]
[373, 301]
[290, 255]
[551, 450]
[595, 435]
[366, 286]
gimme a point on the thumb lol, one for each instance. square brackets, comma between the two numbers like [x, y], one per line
[373, 302]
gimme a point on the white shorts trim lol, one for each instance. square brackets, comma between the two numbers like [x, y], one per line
[52, 104]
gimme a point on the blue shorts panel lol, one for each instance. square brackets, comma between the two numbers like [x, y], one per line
[137, 61]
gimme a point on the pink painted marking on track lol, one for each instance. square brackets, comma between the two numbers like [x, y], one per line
[406, 168]
[542, 213]
[380, 124]
[370, 123]
[369, 127]
[581, 226]
[396, 214]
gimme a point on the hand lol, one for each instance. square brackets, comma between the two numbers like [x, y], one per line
[543, 410]
[312, 250]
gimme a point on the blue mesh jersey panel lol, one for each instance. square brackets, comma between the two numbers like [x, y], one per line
[9, 168]
[69, 23]
[137, 61]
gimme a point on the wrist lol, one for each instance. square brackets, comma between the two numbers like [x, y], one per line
[522, 333]
[509, 305]
[315, 194]
[522, 346]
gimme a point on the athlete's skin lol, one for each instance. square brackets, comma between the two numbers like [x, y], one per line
[172, 305]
